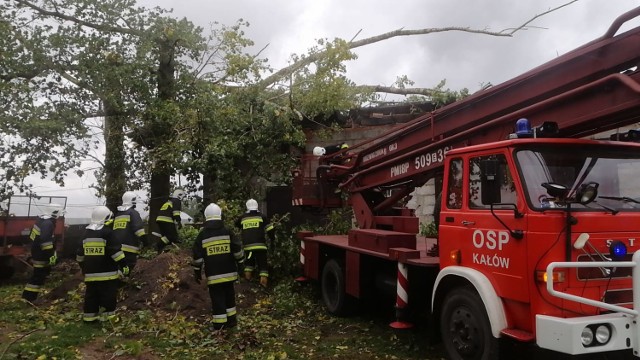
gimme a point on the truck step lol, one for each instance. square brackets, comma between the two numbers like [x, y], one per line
[381, 240]
[519, 335]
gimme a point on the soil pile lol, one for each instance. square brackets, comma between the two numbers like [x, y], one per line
[164, 282]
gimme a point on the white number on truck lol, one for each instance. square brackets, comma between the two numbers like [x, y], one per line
[435, 157]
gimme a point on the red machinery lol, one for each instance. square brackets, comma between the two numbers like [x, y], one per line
[535, 220]
[16, 222]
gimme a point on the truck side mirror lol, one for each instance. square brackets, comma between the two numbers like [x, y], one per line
[490, 181]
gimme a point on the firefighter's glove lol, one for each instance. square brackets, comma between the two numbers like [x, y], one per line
[124, 270]
[197, 275]
[53, 259]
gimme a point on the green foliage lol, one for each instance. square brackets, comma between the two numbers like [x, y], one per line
[429, 230]
[188, 235]
[442, 97]
[238, 139]
[324, 88]
[175, 100]
[338, 221]
[403, 81]
[284, 255]
[284, 251]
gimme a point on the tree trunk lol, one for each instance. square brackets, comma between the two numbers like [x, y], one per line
[160, 183]
[114, 162]
[209, 194]
[160, 188]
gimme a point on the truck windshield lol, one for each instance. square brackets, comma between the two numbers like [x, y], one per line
[616, 172]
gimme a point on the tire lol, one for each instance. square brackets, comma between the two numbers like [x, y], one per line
[334, 296]
[465, 328]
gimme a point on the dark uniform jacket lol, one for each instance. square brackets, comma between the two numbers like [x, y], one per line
[128, 228]
[218, 250]
[43, 246]
[255, 227]
[100, 255]
[170, 211]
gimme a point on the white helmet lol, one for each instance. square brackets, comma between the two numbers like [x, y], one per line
[212, 212]
[252, 205]
[129, 199]
[179, 194]
[100, 216]
[319, 151]
[53, 210]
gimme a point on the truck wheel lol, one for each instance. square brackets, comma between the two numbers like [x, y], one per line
[333, 289]
[465, 327]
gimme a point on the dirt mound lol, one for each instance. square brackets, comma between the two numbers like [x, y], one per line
[164, 282]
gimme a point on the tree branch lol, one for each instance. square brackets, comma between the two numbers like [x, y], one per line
[286, 71]
[395, 90]
[99, 27]
[513, 30]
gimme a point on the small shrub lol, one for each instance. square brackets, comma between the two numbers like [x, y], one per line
[429, 230]
[284, 250]
[188, 236]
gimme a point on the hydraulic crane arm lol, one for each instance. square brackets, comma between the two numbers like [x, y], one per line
[593, 88]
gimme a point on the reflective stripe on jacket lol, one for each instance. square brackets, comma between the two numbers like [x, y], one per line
[217, 250]
[43, 246]
[170, 211]
[128, 228]
[254, 228]
[100, 255]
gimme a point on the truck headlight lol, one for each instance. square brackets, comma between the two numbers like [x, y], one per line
[603, 334]
[586, 337]
[595, 335]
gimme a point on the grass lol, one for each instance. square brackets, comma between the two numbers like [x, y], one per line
[288, 322]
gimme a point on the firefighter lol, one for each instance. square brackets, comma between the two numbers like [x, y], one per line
[169, 220]
[102, 262]
[221, 254]
[335, 148]
[128, 229]
[255, 229]
[43, 250]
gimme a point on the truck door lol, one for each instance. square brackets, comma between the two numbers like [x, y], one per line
[495, 249]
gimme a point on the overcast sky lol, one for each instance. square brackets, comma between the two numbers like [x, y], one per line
[463, 59]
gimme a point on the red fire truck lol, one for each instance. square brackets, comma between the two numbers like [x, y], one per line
[539, 222]
[17, 217]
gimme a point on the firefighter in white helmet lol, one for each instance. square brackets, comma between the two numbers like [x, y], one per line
[128, 228]
[255, 228]
[102, 262]
[169, 220]
[221, 254]
[43, 250]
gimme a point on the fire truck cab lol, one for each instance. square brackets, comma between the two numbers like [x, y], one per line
[511, 208]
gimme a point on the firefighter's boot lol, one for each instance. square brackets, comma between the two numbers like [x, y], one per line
[247, 275]
[264, 281]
